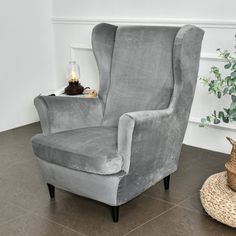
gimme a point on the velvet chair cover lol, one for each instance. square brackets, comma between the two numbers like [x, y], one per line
[114, 147]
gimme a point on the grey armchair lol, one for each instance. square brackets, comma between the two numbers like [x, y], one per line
[114, 147]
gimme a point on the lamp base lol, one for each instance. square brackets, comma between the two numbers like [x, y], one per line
[74, 88]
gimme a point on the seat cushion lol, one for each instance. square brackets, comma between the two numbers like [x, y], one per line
[141, 71]
[92, 150]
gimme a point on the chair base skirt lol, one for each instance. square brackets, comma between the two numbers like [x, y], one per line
[113, 190]
[102, 188]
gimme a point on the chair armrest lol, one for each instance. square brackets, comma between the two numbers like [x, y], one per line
[65, 113]
[150, 140]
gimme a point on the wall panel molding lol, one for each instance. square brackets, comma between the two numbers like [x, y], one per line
[76, 46]
[197, 121]
[211, 57]
[204, 23]
[204, 56]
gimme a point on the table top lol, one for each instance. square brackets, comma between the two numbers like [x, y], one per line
[60, 93]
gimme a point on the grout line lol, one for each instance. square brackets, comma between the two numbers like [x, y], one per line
[149, 221]
[49, 203]
[18, 206]
[147, 195]
[174, 206]
[193, 210]
[159, 199]
[14, 164]
[64, 226]
[188, 208]
[14, 218]
[21, 207]
[27, 211]
[178, 204]
[191, 195]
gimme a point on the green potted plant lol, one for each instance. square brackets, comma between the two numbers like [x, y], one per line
[224, 86]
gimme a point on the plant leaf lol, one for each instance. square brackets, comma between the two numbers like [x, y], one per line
[225, 119]
[233, 97]
[227, 66]
[233, 74]
[221, 115]
[225, 91]
[216, 121]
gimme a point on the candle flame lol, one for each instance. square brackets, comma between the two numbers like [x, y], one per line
[73, 77]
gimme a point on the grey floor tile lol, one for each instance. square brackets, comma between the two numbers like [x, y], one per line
[189, 155]
[9, 211]
[32, 225]
[182, 222]
[214, 161]
[183, 183]
[172, 196]
[193, 203]
[22, 184]
[28, 198]
[93, 218]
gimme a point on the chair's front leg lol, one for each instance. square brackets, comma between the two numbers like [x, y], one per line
[167, 182]
[115, 213]
[51, 190]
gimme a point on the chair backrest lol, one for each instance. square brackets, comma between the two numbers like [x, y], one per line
[136, 68]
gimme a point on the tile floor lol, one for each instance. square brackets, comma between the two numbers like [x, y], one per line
[25, 207]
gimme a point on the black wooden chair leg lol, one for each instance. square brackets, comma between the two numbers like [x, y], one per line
[115, 213]
[167, 182]
[51, 190]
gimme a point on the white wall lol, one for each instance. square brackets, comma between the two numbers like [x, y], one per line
[148, 9]
[73, 21]
[25, 59]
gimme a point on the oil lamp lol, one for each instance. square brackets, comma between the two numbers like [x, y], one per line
[73, 75]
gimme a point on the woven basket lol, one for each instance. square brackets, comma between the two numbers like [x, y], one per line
[218, 200]
[231, 166]
[231, 177]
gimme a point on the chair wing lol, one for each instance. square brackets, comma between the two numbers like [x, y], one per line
[103, 39]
